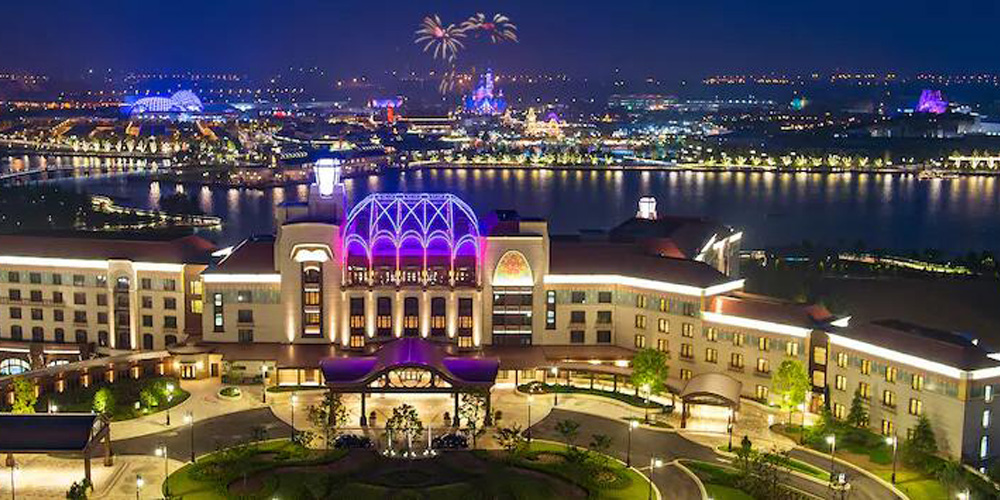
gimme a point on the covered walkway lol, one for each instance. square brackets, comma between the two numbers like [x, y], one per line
[711, 389]
[55, 433]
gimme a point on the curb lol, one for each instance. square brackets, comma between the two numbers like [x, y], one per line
[701, 486]
[889, 486]
[594, 397]
[649, 478]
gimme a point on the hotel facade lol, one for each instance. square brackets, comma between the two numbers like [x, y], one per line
[334, 282]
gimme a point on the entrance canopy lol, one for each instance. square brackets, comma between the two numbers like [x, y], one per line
[55, 432]
[410, 365]
[713, 389]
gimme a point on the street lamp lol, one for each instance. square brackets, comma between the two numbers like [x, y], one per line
[263, 383]
[13, 469]
[632, 424]
[555, 390]
[531, 399]
[654, 463]
[894, 442]
[802, 430]
[295, 401]
[53, 408]
[832, 441]
[170, 397]
[729, 429]
[138, 485]
[161, 451]
[647, 389]
[189, 419]
[964, 495]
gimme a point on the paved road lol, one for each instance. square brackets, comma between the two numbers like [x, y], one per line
[209, 435]
[673, 482]
[862, 486]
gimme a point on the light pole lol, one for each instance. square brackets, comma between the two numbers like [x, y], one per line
[654, 463]
[531, 399]
[555, 390]
[138, 485]
[729, 429]
[170, 397]
[53, 408]
[647, 389]
[832, 441]
[894, 442]
[189, 419]
[632, 424]
[802, 430]
[964, 495]
[13, 467]
[295, 401]
[161, 451]
[263, 384]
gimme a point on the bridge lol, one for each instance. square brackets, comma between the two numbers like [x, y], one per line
[55, 171]
[974, 162]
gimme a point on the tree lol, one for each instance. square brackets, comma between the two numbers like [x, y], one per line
[568, 429]
[511, 439]
[922, 443]
[24, 396]
[329, 415]
[472, 410]
[649, 369]
[78, 490]
[404, 422]
[951, 475]
[148, 397]
[104, 401]
[600, 444]
[858, 414]
[790, 384]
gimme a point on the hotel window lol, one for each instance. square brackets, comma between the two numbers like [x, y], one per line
[78, 280]
[738, 339]
[687, 351]
[196, 288]
[792, 349]
[577, 317]
[662, 345]
[662, 325]
[147, 302]
[60, 335]
[819, 378]
[640, 341]
[80, 317]
[640, 321]
[465, 321]
[147, 321]
[37, 334]
[711, 355]
[663, 305]
[819, 354]
[37, 315]
[36, 295]
[984, 447]
[15, 313]
[438, 318]
[244, 316]
[839, 411]
[917, 382]
[577, 337]
[603, 336]
[16, 333]
[465, 341]
[916, 407]
[842, 359]
[217, 312]
[763, 343]
[689, 309]
[57, 297]
[685, 374]
[102, 338]
[988, 393]
[711, 334]
[761, 392]
[550, 310]
[640, 301]
[888, 428]
[577, 297]
[170, 304]
[13, 276]
[986, 418]
[144, 283]
[736, 360]
[604, 297]
[81, 336]
[889, 398]
[865, 389]
[763, 365]
[890, 374]
[357, 315]
[244, 296]
[170, 322]
[603, 317]
[57, 279]
[840, 382]
[357, 341]
[14, 295]
[245, 335]
[197, 306]
[102, 299]
[57, 315]
[35, 278]
[102, 318]
[411, 317]
[102, 280]
[170, 285]
[687, 330]
[383, 316]
[866, 367]
[80, 299]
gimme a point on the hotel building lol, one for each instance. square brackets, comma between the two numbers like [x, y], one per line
[334, 282]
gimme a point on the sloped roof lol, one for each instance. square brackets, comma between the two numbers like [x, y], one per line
[253, 255]
[186, 250]
[944, 347]
[769, 309]
[713, 387]
[575, 256]
[687, 234]
[46, 432]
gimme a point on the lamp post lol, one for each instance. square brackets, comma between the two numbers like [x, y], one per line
[531, 399]
[729, 429]
[894, 442]
[555, 390]
[161, 451]
[832, 441]
[964, 495]
[53, 408]
[632, 424]
[654, 463]
[138, 485]
[13, 468]
[295, 401]
[170, 397]
[647, 389]
[263, 383]
[189, 419]
[802, 430]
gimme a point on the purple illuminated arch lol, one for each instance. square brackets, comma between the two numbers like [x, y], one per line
[412, 228]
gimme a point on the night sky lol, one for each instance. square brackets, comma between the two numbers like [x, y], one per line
[670, 39]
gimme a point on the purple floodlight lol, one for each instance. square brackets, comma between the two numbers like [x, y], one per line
[932, 102]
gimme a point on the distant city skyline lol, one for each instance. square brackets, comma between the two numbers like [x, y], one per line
[673, 41]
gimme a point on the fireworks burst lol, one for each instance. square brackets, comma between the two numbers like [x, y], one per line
[444, 40]
[499, 29]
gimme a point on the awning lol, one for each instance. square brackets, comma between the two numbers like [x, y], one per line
[714, 389]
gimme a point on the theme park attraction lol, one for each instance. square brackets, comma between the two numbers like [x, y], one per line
[486, 99]
[184, 101]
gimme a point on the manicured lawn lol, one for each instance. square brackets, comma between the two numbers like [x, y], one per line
[795, 465]
[626, 483]
[125, 393]
[717, 492]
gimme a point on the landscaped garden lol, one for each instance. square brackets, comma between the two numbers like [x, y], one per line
[123, 399]
[283, 469]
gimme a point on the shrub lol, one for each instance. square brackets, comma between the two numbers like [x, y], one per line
[352, 441]
[148, 398]
[230, 392]
[104, 401]
[303, 438]
[450, 442]
[78, 490]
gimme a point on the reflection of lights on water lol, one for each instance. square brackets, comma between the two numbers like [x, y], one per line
[205, 200]
[154, 195]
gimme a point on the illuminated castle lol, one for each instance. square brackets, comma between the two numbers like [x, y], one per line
[485, 100]
[932, 102]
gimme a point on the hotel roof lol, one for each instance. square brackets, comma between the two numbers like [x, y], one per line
[940, 346]
[686, 235]
[570, 255]
[253, 255]
[762, 308]
[185, 250]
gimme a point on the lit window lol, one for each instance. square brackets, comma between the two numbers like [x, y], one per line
[763, 365]
[685, 374]
[663, 326]
[738, 339]
[984, 447]
[736, 361]
[986, 418]
[687, 330]
[866, 367]
[711, 355]
[763, 343]
[890, 374]
[842, 359]
[819, 378]
[916, 406]
[640, 321]
[711, 334]
[762, 393]
[640, 341]
[888, 428]
[687, 351]
[988, 393]
[917, 382]
[888, 398]
[840, 382]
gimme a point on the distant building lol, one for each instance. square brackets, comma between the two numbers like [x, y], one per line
[642, 102]
[183, 101]
[486, 99]
[932, 102]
